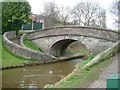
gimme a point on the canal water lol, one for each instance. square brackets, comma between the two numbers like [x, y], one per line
[37, 76]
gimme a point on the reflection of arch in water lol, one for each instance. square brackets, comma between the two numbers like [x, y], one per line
[59, 47]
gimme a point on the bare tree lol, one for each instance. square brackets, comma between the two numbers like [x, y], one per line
[65, 15]
[116, 11]
[100, 21]
[51, 14]
[86, 13]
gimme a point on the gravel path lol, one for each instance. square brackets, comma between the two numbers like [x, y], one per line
[111, 69]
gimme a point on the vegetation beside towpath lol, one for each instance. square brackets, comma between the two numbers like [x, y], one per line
[8, 59]
[78, 79]
[88, 71]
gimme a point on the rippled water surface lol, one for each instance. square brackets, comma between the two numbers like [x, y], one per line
[37, 76]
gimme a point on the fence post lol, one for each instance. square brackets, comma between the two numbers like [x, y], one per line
[32, 25]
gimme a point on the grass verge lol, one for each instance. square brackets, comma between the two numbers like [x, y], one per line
[30, 44]
[8, 59]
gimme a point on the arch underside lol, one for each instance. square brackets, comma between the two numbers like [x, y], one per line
[59, 47]
[56, 45]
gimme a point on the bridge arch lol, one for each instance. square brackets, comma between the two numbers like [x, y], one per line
[95, 39]
[58, 48]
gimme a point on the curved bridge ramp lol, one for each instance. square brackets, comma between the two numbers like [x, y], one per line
[23, 51]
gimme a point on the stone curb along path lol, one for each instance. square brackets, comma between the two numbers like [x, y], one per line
[111, 69]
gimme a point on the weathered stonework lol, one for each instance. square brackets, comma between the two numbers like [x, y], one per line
[51, 44]
[53, 40]
[23, 37]
[95, 39]
[75, 31]
[23, 51]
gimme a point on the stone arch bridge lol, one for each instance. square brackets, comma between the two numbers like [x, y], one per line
[55, 40]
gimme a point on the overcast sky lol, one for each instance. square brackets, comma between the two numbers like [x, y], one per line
[38, 6]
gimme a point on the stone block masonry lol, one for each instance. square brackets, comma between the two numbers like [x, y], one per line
[95, 39]
[23, 51]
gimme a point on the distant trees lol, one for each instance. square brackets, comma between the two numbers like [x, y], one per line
[88, 14]
[14, 14]
[83, 14]
[51, 14]
[115, 9]
[65, 15]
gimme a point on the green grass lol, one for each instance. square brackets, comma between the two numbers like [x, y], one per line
[30, 44]
[81, 79]
[9, 59]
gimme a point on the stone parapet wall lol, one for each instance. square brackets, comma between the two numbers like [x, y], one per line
[75, 31]
[22, 38]
[10, 35]
[23, 51]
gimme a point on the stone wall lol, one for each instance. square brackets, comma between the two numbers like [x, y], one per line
[94, 45]
[83, 31]
[22, 51]
[22, 38]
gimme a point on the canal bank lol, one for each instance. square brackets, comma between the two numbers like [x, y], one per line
[81, 79]
[112, 69]
[87, 72]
